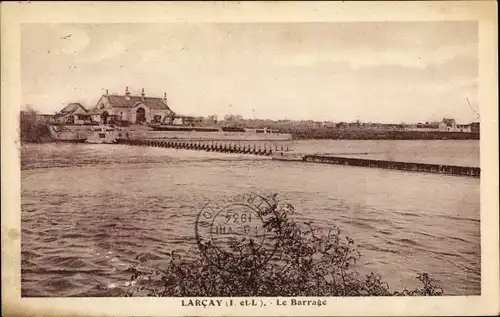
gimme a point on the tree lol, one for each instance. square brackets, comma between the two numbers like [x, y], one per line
[31, 129]
[233, 117]
[212, 119]
[29, 109]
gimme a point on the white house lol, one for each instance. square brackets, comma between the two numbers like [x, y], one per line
[186, 120]
[449, 125]
[73, 113]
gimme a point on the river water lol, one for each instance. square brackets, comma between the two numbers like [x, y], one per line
[89, 211]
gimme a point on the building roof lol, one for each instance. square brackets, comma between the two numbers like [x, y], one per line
[121, 101]
[95, 111]
[72, 107]
[187, 117]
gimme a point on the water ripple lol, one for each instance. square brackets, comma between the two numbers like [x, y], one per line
[90, 212]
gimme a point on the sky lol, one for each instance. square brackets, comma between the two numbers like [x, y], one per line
[388, 72]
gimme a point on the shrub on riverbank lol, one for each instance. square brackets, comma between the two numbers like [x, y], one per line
[305, 263]
[31, 130]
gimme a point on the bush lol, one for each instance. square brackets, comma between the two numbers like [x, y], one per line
[305, 263]
[31, 130]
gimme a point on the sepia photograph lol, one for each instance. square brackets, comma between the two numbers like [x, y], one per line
[285, 163]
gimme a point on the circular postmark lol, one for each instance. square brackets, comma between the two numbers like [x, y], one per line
[237, 235]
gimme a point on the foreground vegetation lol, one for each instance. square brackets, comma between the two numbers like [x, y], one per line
[305, 263]
[31, 130]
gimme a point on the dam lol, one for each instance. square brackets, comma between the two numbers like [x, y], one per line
[262, 149]
[281, 152]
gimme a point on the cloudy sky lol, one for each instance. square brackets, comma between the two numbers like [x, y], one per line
[370, 71]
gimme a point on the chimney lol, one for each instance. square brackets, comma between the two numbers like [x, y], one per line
[107, 92]
[127, 93]
[143, 95]
[165, 97]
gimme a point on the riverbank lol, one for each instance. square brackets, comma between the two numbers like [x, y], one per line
[35, 132]
[377, 134]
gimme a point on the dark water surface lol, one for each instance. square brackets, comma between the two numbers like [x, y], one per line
[89, 211]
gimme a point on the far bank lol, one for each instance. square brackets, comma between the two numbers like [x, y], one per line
[36, 132]
[377, 134]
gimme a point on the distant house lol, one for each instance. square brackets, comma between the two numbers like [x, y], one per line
[38, 117]
[426, 127]
[328, 124]
[132, 109]
[45, 118]
[392, 126]
[186, 120]
[448, 125]
[74, 113]
[95, 114]
[356, 124]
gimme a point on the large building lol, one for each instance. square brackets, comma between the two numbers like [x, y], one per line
[140, 109]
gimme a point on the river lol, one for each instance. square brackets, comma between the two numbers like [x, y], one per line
[89, 211]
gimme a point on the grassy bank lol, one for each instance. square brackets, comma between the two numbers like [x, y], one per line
[348, 131]
[305, 263]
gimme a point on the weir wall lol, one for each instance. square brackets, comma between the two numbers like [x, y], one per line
[280, 152]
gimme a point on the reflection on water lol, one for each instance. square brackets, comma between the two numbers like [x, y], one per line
[89, 211]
